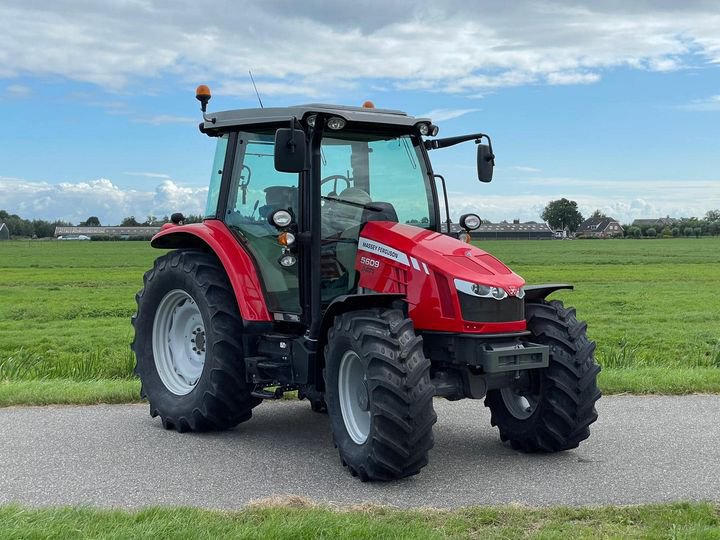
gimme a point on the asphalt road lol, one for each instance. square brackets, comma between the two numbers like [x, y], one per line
[643, 449]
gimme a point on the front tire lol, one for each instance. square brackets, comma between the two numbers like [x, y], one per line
[187, 344]
[551, 409]
[379, 395]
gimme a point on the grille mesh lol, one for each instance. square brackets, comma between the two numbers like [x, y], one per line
[490, 310]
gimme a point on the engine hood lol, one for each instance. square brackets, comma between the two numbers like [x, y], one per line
[441, 253]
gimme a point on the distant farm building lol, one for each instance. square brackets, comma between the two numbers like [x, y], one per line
[603, 227]
[656, 223]
[4, 232]
[530, 230]
[106, 232]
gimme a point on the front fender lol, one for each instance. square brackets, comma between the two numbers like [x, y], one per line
[352, 302]
[213, 236]
[533, 293]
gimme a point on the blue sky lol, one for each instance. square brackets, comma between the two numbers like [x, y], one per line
[616, 107]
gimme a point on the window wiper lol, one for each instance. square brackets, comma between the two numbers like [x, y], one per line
[352, 203]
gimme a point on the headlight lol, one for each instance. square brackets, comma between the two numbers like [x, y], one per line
[485, 291]
[280, 218]
[336, 123]
[470, 222]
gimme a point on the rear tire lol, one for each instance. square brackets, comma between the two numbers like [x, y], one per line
[198, 385]
[551, 409]
[379, 395]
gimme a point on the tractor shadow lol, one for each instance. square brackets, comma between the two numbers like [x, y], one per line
[465, 445]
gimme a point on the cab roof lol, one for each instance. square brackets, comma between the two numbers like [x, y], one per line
[273, 115]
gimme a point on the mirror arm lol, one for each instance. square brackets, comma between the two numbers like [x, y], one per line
[492, 154]
[447, 203]
[452, 141]
[291, 143]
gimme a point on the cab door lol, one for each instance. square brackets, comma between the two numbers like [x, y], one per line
[256, 190]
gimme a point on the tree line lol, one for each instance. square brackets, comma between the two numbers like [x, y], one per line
[40, 228]
[563, 214]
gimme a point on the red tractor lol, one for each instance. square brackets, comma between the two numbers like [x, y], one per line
[324, 266]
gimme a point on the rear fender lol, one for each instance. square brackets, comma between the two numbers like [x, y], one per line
[534, 293]
[214, 237]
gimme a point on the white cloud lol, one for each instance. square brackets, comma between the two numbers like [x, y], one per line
[440, 115]
[572, 78]
[161, 119]
[525, 169]
[316, 48]
[75, 201]
[18, 90]
[708, 104]
[148, 174]
[623, 200]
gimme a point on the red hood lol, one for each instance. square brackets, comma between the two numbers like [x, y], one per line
[444, 254]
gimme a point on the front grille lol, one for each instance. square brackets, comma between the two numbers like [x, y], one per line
[490, 310]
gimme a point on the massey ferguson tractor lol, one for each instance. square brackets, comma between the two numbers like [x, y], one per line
[325, 266]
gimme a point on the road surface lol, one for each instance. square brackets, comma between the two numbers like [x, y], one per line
[643, 449]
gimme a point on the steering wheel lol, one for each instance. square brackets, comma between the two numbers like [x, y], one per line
[335, 177]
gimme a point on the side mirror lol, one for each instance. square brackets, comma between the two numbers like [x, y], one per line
[485, 162]
[290, 149]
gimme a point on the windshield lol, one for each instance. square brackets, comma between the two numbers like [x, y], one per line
[374, 168]
[366, 177]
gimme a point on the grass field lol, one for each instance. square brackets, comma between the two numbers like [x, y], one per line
[652, 306]
[671, 521]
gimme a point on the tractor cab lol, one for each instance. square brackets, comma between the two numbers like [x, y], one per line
[363, 176]
[298, 197]
[325, 266]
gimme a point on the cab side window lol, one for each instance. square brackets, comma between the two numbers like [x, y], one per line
[216, 176]
[256, 190]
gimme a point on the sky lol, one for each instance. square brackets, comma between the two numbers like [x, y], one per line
[613, 104]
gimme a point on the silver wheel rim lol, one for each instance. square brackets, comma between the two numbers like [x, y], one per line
[521, 404]
[354, 397]
[178, 342]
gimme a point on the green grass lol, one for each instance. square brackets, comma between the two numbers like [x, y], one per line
[647, 303]
[652, 307]
[304, 520]
[68, 392]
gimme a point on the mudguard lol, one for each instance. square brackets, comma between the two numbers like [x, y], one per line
[533, 293]
[352, 302]
[214, 236]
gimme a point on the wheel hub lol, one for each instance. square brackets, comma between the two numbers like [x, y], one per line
[198, 340]
[520, 401]
[363, 398]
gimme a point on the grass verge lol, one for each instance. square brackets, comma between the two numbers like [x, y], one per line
[680, 520]
[644, 380]
[660, 380]
[68, 392]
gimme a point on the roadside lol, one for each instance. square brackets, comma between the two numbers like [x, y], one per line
[638, 381]
[300, 519]
[642, 450]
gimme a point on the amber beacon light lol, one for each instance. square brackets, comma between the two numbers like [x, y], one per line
[203, 95]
